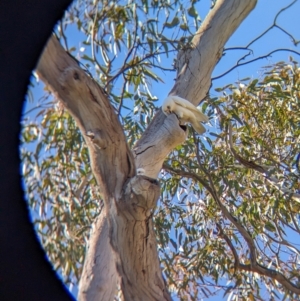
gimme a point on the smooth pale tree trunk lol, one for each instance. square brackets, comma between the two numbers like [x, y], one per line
[122, 248]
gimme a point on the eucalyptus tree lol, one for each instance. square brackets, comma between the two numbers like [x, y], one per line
[209, 212]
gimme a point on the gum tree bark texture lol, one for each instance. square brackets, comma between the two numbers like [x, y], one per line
[194, 68]
[122, 248]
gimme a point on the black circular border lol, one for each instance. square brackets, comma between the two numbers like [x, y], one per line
[25, 273]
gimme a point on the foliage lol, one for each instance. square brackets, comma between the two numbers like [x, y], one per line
[61, 191]
[265, 118]
[246, 169]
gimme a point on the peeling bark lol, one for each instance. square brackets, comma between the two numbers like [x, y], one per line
[122, 247]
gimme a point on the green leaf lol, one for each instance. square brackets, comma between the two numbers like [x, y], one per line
[216, 135]
[270, 227]
[184, 26]
[193, 12]
[152, 75]
[174, 23]
[174, 244]
[87, 58]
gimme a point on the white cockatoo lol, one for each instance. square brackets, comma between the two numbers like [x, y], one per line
[185, 111]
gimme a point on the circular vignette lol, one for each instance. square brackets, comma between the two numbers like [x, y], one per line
[25, 273]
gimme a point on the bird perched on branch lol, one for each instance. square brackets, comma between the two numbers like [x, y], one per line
[185, 111]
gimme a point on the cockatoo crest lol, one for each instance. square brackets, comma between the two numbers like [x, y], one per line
[185, 111]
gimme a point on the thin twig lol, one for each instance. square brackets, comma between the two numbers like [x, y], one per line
[256, 59]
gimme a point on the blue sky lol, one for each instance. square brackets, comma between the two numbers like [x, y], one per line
[257, 22]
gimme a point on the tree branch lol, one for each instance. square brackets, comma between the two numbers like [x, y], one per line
[254, 267]
[194, 69]
[122, 245]
[256, 59]
[93, 114]
[191, 82]
[238, 64]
